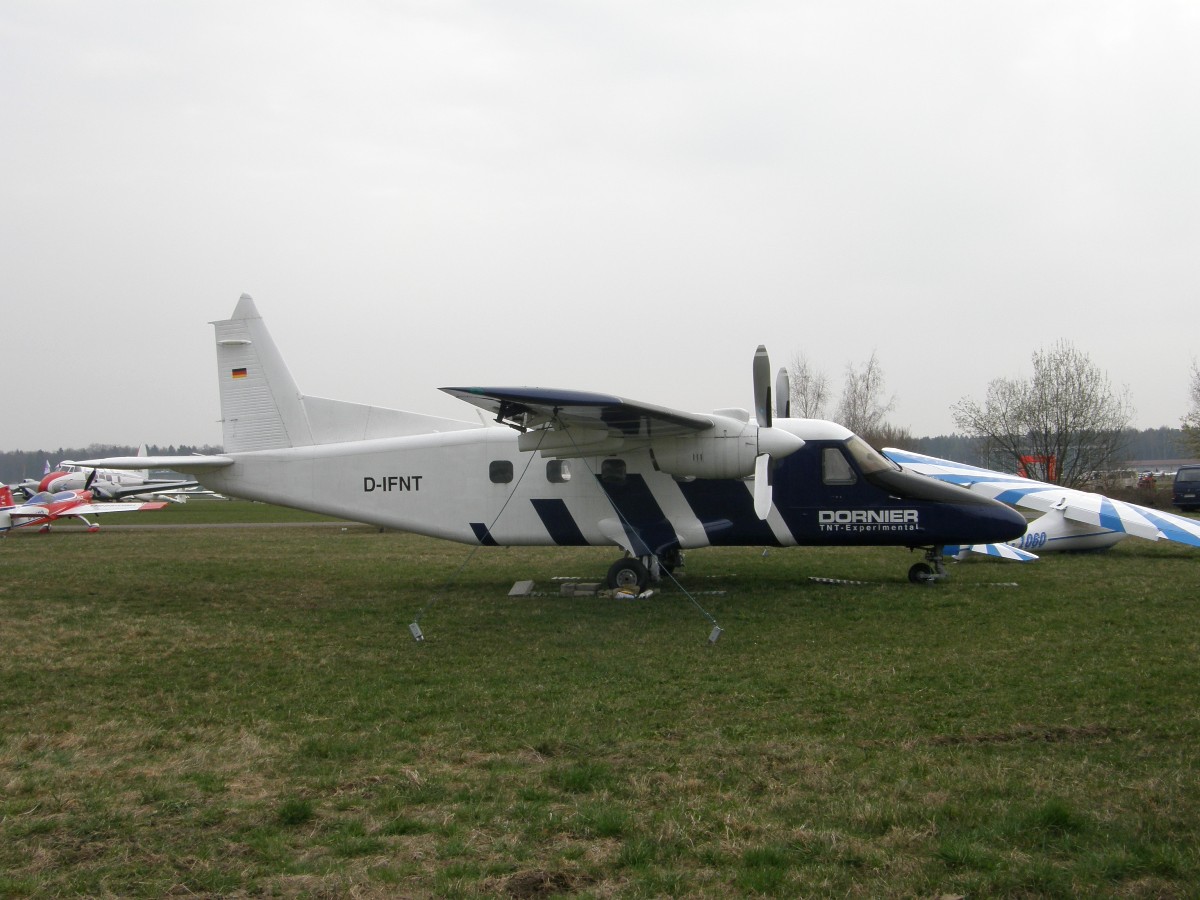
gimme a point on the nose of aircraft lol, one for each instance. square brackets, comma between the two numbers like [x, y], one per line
[972, 518]
[999, 523]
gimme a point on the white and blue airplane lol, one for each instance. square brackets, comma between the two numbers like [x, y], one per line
[1069, 520]
[573, 468]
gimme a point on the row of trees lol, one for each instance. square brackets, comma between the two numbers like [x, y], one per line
[1063, 423]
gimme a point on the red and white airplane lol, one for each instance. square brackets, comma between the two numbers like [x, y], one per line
[44, 507]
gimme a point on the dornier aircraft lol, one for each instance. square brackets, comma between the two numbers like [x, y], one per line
[572, 468]
[1061, 518]
[45, 507]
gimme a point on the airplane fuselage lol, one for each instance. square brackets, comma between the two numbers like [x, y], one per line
[477, 486]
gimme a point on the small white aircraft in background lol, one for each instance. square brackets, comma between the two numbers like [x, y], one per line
[1070, 519]
[573, 468]
[111, 484]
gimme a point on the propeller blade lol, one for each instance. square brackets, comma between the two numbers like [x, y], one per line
[762, 387]
[762, 486]
[87, 482]
[783, 394]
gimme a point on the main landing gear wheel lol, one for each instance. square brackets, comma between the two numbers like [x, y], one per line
[628, 575]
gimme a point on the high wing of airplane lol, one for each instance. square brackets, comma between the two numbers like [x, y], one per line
[45, 507]
[1069, 519]
[572, 468]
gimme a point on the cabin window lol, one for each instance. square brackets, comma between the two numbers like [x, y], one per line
[835, 468]
[558, 471]
[613, 471]
[500, 471]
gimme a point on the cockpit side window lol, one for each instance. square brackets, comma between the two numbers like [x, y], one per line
[868, 458]
[835, 468]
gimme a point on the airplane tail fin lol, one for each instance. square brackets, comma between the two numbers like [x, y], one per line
[6, 497]
[262, 409]
[144, 451]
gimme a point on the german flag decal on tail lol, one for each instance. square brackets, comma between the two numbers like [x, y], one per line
[239, 373]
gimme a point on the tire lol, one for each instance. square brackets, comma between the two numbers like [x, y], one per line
[921, 573]
[629, 575]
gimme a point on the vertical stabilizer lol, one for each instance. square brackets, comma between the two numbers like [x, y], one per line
[145, 473]
[261, 408]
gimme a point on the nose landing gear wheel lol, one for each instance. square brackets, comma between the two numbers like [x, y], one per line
[921, 573]
[931, 570]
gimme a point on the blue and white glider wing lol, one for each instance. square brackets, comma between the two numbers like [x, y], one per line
[1078, 506]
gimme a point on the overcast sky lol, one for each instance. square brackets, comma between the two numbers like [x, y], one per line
[615, 196]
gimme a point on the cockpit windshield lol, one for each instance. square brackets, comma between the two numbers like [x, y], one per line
[868, 458]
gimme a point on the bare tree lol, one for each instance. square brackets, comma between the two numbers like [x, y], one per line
[810, 389]
[1066, 421]
[1191, 422]
[863, 408]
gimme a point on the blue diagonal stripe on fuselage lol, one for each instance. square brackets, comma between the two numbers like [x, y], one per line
[726, 510]
[482, 533]
[647, 526]
[559, 522]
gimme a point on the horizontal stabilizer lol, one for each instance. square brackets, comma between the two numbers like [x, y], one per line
[174, 463]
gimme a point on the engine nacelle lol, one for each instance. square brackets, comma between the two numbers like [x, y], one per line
[727, 450]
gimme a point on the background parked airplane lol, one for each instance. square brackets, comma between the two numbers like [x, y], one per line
[45, 507]
[1070, 519]
[572, 468]
[111, 484]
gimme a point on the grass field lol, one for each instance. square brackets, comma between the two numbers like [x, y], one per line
[220, 712]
